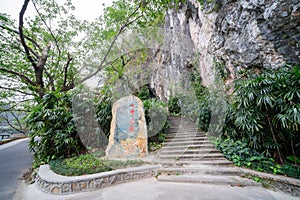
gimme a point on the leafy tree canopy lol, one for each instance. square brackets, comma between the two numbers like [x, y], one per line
[49, 54]
[54, 51]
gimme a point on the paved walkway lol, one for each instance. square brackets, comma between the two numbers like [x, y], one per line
[15, 159]
[150, 189]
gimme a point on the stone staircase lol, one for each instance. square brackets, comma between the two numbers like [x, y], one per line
[187, 155]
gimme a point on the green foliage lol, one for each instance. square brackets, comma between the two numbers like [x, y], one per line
[293, 159]
[144, 93]
[204, 115]
[196, 83]
[150, 12]
[195, 103]
[203, 101]
[104, 109]
[210, 5]
[52, 131]
[53, 58]
[173, 105]
[156, 118]
[119, 164]
[262, 123]
[154, 146]
[220, 69]
[291, 170]
[266, 109]
[157, 122]
[84, 164]
[89, 164]
[241, 155]
[237, 151]
[75, 49]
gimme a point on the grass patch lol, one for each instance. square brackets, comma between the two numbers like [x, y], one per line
[89, 164]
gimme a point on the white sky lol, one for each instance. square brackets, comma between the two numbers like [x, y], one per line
[85, 9]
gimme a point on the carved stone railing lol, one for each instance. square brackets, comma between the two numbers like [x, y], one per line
[50, 182]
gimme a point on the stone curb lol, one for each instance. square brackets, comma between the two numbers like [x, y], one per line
[277, 182]
[50, 182]
[12, 143]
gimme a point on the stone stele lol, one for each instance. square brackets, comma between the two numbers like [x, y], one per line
[128, 130]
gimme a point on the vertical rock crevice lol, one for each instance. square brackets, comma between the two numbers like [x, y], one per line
[242, 34]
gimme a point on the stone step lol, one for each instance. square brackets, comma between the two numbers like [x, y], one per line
[181, 134]
[186, 142]
[200, 159]
[179, 139]
[189, 151]
[209, 179]
[225, 171]
[183, 121]
[188, 146]
[220, 162]
[186, 126]
[184, 135]
[183, 125]
[192, 156]
[185, 132]
[184, 129]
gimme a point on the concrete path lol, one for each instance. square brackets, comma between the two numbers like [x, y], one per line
[15, 159]
[150, 189]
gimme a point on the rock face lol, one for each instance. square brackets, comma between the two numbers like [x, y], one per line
[239, 34]
[128, 133]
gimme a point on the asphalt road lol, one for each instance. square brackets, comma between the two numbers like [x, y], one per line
[14, 161]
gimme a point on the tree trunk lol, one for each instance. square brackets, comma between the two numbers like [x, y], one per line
[293, 151]
[275, 140]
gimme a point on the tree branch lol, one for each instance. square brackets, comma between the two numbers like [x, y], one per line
[49, 29]
[21, 76]
[21, 33]
[51, 80]
[33, 52]
[26, 37]
[44, 56]
[11, 125]
[40, 68]
[127, 23]
[18, 121]
[66, 71]
[15, 90]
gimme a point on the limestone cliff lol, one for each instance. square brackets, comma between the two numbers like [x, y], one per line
[240, 34]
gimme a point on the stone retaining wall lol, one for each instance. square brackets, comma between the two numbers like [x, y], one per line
[275, 182]
[53, 183]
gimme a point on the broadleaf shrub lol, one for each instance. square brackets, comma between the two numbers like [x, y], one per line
[266, 111]
[103, 108]
[173, 105]
[263, 120]
[52, 131]
[241, 155]
[157, 122]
